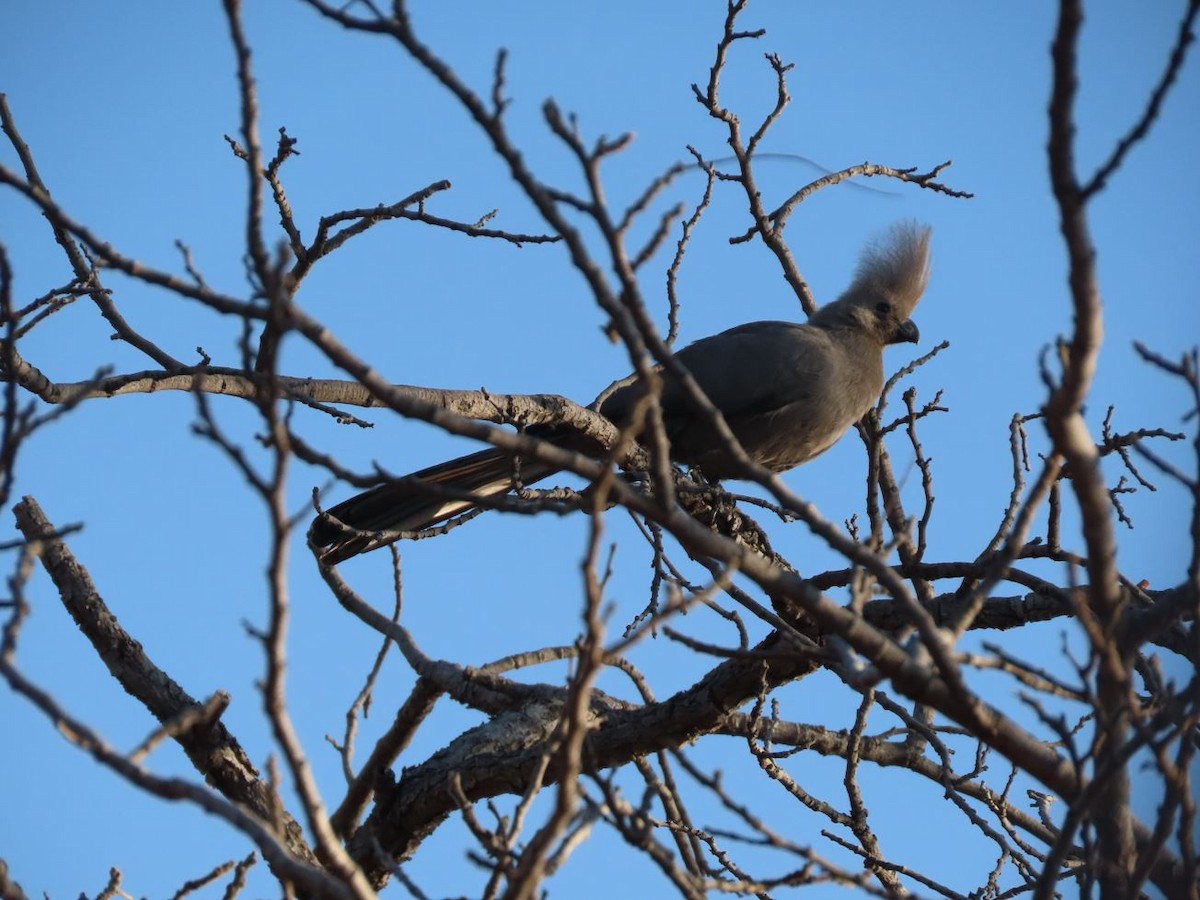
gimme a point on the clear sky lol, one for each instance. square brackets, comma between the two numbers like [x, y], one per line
[125, 107]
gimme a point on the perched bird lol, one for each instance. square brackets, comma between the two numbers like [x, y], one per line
[787, 391]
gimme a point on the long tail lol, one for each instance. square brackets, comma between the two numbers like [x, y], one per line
[373, 518]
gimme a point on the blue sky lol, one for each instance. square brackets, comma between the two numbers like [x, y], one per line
[125, 112]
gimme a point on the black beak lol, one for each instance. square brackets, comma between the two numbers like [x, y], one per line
[907, 333]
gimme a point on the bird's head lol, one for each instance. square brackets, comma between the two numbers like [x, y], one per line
[882, 320]
[891, 277]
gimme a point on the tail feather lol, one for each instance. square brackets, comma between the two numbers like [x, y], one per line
[373, 518]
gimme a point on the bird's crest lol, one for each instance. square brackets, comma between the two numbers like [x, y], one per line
[896, 267]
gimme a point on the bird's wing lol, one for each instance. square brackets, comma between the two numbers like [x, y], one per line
[774, 382]
[752, 369]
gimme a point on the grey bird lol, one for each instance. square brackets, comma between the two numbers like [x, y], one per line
[787, 391]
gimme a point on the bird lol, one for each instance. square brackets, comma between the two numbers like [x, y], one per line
[788, 392]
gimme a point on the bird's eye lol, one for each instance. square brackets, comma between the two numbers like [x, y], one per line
[883, 307]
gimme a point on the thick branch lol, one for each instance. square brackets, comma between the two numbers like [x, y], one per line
[214, 752]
